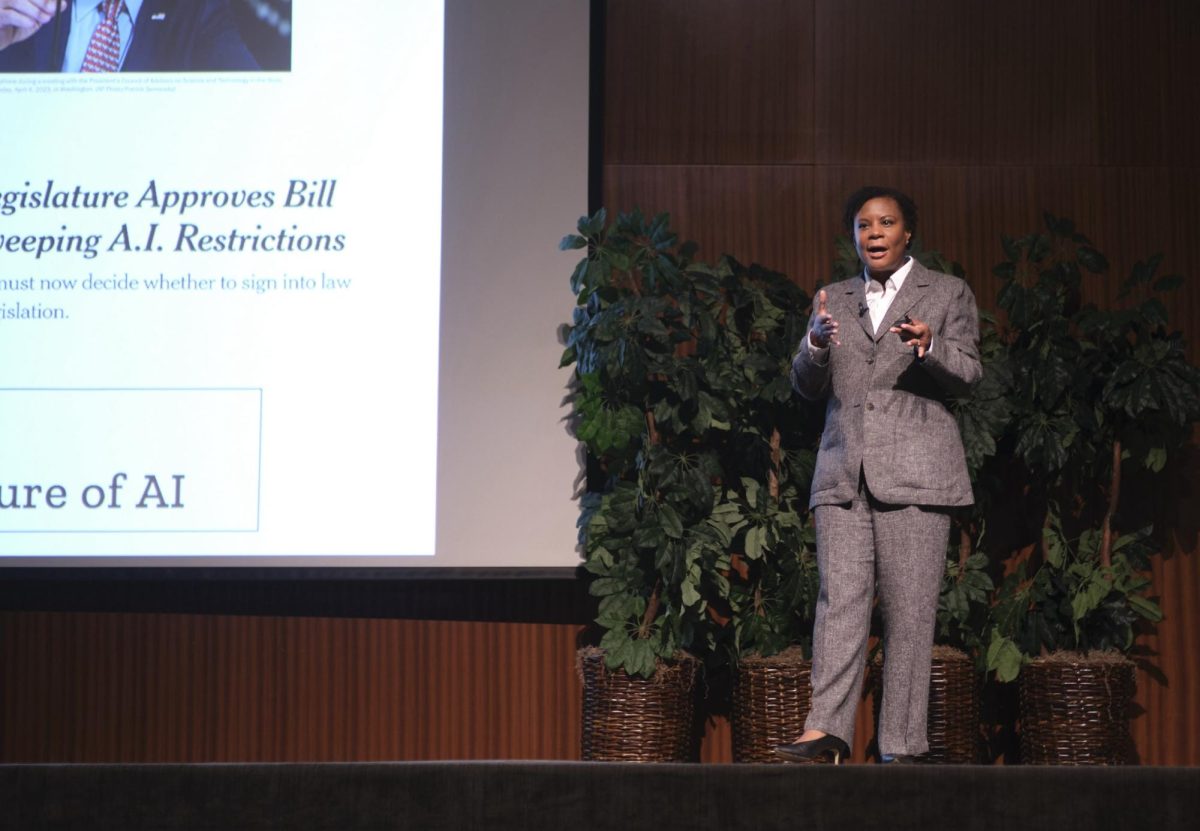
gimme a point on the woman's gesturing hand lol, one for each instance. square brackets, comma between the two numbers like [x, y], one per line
[824, 328]
[915, 332]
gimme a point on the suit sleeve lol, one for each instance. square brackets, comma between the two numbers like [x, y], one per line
[954, 361]
[810, 375]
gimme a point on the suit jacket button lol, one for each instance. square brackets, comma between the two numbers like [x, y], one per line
[870, 360]
[870, 406]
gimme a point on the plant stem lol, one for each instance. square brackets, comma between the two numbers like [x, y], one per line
[651, 427]
[1044, 546]
[651, 611]
[1114, 495]
[773, 475]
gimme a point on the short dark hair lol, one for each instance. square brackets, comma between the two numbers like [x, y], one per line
[864, 195]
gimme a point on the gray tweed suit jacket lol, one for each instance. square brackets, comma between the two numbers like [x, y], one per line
[886, 414]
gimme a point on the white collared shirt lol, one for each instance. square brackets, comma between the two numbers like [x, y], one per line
[880, 297]
[86, 15]
[879, 300]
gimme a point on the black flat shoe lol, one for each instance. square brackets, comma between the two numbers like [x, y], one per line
[815, 749]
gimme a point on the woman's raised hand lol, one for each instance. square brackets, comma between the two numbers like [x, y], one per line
[824, 328]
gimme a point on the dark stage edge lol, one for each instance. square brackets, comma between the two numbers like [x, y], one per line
[531, 796]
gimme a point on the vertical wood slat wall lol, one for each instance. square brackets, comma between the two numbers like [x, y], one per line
[104, 687]
[748, 120]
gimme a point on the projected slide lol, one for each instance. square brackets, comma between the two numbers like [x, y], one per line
[219, 296]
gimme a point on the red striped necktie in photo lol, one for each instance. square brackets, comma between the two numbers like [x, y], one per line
[104, 49]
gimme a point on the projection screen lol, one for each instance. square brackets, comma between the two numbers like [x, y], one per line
[302, 314]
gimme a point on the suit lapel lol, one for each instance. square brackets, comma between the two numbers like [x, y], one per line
[856, 303]
[914, 288]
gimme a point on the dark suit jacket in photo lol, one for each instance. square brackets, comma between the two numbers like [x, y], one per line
[168, 36]
[887, 411]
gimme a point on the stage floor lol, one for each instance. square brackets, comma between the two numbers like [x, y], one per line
[576, 796]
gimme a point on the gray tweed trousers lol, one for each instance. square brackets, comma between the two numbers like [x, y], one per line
[901, 551]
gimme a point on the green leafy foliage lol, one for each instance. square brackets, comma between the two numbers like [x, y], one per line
[1073, 601]
[1091, 389]
[964, 602]
[693, 523]
[773, 589]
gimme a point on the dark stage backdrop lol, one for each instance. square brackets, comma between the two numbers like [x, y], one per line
[748, 121]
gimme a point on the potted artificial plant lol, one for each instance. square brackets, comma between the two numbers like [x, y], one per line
[772, 580]
[1099, 398]
[635, 305]
[692, 523]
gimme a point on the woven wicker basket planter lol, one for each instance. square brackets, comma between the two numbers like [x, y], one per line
[953, 723]
[628, 719]
[1075, 710]
[771, 700]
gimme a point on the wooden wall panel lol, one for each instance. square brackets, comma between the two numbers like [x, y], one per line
[1147, 95]
[1166, 729]
[756, 213]
[956, 82]
[208, 688]
[708, 81]
[1134, 116]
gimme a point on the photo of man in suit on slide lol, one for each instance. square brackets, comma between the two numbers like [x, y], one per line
[123, 35]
